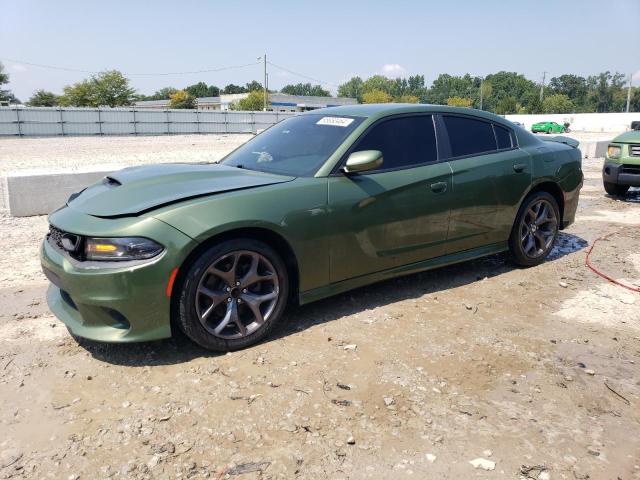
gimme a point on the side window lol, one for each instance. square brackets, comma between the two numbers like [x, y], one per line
[404, 141]
[469, 136]
[503, 136]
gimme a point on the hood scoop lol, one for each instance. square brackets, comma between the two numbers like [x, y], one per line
[136, 190]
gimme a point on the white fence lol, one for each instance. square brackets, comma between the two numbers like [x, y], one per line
[51, 121]
[583, 122]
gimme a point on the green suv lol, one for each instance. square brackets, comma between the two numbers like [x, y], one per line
[318, 204]
[621, 168]
[548, 127]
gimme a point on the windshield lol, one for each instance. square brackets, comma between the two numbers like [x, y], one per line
[297, 146]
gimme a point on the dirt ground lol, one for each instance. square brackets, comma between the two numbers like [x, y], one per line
[53, 153]
[535, 372]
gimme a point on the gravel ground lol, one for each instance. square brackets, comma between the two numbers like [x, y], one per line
[86, 152]
[534, 373]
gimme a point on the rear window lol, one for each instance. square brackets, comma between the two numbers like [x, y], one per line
[469, 136]
[503, 136]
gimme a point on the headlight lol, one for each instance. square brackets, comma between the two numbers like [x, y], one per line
[121, 249]
[614, 151]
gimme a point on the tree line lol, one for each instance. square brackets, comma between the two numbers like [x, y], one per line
[502, 92]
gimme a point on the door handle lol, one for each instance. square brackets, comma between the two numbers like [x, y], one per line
[519, 167]
[439, 187]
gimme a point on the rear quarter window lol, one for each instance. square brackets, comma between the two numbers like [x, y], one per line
[469, 136]
[503, 137]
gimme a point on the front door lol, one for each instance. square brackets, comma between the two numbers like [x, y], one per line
[396, 215]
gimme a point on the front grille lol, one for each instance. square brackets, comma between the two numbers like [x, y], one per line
[634, 150]
[55, 236]
[632, 169]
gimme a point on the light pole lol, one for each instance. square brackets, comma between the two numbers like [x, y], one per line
[629, 93]
[544, 75]
[265, 82]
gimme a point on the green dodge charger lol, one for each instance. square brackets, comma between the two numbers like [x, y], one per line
[318, 204]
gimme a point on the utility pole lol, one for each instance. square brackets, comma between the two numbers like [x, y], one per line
[265, 82]
[629, 93]
[544, 75]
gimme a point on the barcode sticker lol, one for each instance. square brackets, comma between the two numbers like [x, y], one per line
[335, 121]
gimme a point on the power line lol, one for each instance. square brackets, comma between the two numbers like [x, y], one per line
[301, 75]
[77, 70]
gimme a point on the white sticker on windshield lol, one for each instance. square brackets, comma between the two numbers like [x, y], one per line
[335, 121]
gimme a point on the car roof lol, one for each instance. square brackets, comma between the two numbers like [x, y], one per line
[379, 110]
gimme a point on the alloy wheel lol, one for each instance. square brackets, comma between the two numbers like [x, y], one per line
[237, 294]
[538, 228]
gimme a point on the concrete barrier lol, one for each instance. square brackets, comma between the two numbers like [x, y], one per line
[36, 192]
[593, 149]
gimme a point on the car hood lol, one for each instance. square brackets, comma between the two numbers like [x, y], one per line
[138, 189]
[628, 137]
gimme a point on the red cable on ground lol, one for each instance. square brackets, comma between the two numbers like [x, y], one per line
[603, 275]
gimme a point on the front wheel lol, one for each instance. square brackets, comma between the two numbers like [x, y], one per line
[535, 229]
[549, 131]
[233, 295]
[615, 189]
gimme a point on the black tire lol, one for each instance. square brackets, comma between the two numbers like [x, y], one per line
[194, 284]
[523, 231]
[549, 131]
[615, 189]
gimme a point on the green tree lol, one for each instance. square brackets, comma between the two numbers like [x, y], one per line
[109, 88]
[79, 94]
[6, 95]
[634, 106]
[305, 89]
[459, 102]
[182, 99]
[507, 105]
[508, 86]
[232, 89]
[557, 103]
[253, 86]
[112, 88]
[573, 86]
[352, 89]
[162, 94]
[606, 92]
[446, 86]
[376, 96]
[43, 98]
[254, 102]
[201, 89]
[407, 99]
[378, 83]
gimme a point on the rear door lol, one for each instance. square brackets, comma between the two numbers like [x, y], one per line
[489, 176]
[398, 214]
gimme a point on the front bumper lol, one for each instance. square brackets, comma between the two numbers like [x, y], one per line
[621, 173]
[116, 303]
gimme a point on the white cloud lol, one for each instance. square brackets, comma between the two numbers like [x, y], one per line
[635, 77]
[393, 69]
[16, 67]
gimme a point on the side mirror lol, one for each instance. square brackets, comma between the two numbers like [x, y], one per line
[363, 161]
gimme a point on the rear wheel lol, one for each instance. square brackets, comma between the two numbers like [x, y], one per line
[615, 189]
[535, 229]
[233, 295]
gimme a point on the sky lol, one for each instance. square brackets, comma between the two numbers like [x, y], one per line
[328, 41]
